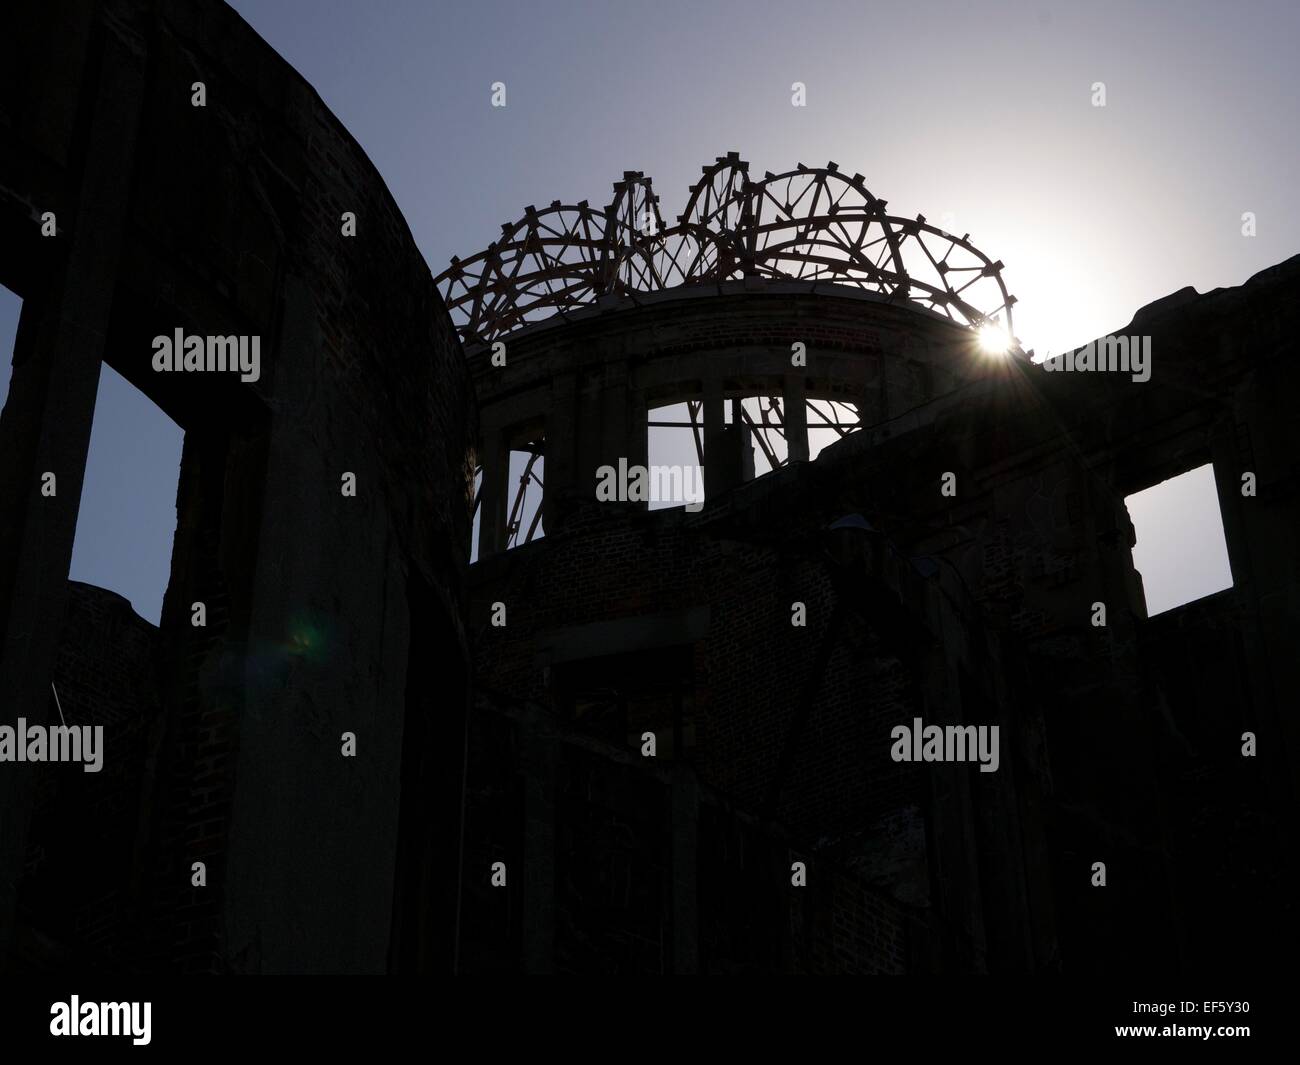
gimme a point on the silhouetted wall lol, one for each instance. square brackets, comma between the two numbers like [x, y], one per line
[227, 219]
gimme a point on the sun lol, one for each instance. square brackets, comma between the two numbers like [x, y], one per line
[994, 339]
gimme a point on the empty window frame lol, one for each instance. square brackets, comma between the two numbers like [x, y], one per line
[1181, 550]
[126, 523]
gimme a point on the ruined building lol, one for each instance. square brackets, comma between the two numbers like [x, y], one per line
[896, 525]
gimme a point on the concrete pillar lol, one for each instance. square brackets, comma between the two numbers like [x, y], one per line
[46, 427]
[796, 417]
[604, 423]
[562, 482]
[637, 435]
[615, 421]
[714, 438]
[494, 491]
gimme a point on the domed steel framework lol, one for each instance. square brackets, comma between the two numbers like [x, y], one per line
[814, 225]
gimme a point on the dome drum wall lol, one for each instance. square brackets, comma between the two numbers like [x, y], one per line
[590, 381]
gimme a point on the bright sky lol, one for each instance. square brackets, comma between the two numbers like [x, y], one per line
[978, 115]
[1180, 551]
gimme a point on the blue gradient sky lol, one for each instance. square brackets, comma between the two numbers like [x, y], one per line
[979, 115]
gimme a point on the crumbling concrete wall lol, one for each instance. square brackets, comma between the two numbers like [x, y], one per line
[1110, 753]
[200, 184]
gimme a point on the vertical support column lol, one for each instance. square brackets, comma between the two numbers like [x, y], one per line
[562, 483]
[638, 442]
[714, 438]
[615, 429]
[494, 491]
[605, 425]
[46, 428]
[796, 417]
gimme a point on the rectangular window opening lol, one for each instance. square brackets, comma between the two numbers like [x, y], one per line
[525, 488]
[126, 523]
[675, 453]
[764, 417]
[1181, 551]
[828, 420]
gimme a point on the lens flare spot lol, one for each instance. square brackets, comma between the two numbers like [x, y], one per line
[994, 339]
